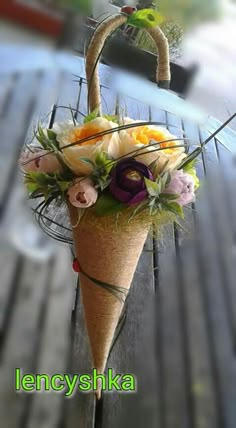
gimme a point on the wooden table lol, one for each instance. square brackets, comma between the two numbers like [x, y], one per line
[179, 337]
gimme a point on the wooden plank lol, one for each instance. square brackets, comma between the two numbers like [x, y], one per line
[25, 408]
[175, 411]
[47, 95]
[126, 356]
[202, 388]
[55, 335]
[216, 300]
[46, 83]
[19, 114]
[79, 410]
[55, 342]
[23, 338]
[226, 227]
[7, 82]
[9, 268]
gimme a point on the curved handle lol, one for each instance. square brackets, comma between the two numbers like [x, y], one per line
[96, 45]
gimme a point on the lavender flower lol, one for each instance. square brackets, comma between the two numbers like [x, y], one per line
[182, 184]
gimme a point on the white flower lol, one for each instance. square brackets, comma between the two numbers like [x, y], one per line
[67, 134]
[127, 142]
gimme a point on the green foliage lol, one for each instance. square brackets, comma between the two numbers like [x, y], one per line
[112, 118]
[81, 6]
[190, 158]
[102, 168]
[145, 18]
[107, 205]
[190, 12]
[94, 114]
[174, 208]
[162, 201]
[91, 116]
[47, 139]
[46, 185]
[191, 170]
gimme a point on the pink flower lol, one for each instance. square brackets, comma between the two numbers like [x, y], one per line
[182, 184]
[83, 193]
[40, 161]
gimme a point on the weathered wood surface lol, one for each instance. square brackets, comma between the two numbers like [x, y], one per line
[180, 332]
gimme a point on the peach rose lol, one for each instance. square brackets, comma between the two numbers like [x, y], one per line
[83, 193]
[39, 161]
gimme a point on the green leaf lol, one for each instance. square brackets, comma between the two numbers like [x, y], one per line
[175, 208]
[91, 116]
[51, 134]
[88, 161]
[145, 18]
[32, 187]
[107, 205]
[191, 170]
[165, 180]
[190, 158]
[114, 118]
[169, 196]
[141, 207]
[152, 187]
[63, 185]
[103, 182]
[190, 165]
[40, 178]
[153, 206]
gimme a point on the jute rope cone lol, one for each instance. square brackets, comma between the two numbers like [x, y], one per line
[104, 252]
[110, 255]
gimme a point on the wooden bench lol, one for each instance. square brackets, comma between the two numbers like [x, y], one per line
[179, 334]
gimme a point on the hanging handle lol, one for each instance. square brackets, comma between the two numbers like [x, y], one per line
[95, 48]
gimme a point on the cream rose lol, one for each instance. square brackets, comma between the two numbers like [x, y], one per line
[167, 159]
[69, 134]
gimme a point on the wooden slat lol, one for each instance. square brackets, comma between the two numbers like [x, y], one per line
[202, 383]
[175, 411]
[216, 300]
[13, 130]
[55, 343]
[9, 268]
[6, 87]
[22, 338]
[79, 411]
[125, 357]
[225, 219]
[54, 354]
[47, 83]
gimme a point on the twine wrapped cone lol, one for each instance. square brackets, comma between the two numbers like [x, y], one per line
[105, 252]
[110, 255]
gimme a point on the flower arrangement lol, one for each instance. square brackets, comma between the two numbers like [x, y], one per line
[116, 177]
[109, 167]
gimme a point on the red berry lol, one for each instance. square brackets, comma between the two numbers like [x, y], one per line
[129, 10]
[76, 266]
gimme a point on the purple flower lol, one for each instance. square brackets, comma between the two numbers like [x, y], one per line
[128, 181]
[182, 184]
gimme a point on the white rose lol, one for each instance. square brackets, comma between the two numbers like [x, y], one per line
[68, 133]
